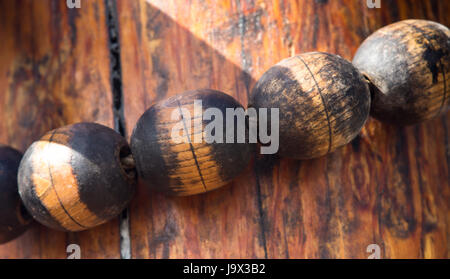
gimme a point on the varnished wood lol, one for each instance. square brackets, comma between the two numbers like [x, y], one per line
[323, 102]
[221, 223]
[388, 187]
[368, 191]
[408, 65]
[54, 71]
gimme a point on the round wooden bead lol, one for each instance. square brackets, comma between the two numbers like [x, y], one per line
[323, 102]
[77, 177]
[408, 66]
[189, 166]
[14, 219]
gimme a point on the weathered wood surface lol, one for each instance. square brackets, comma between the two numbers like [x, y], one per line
[161, 58]
[390, 186]
[54, 71]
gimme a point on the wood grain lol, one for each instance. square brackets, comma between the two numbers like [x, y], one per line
[355, 196]
[161, 58]
[388, 187]
[54, 71]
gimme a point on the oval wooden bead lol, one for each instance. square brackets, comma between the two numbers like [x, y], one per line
[323, 103]
[408, 66]
[14, 219]
[77, 177]
[188, 167]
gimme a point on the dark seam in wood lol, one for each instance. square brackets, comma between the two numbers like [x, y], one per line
[191, 146]
[286, 246]
[421, 31]
[247, 88]
[326, 229]
[244, 59]
[53, 187]
[379, 211]
[323, 102]
[260, 211]
[112, 26]
[447, 146]
[422, 200]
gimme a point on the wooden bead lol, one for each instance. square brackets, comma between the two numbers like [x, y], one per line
[14, 219]
[189, 167]
[408, 66]
[323, 102]
[77, 177]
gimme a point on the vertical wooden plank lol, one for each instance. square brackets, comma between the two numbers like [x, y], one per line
[376, 190]
[382, 189]
[390, 186]
[168, 48]
[54, 71]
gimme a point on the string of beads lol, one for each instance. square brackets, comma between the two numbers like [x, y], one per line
[82, 175]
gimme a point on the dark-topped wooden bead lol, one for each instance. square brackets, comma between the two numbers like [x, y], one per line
[408, 65]
[186, 167]
[77, 177]
[323, 102]
[14, 219]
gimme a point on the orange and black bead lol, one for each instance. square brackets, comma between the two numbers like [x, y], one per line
[77, 177]
[323, 102]
[187, 167]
